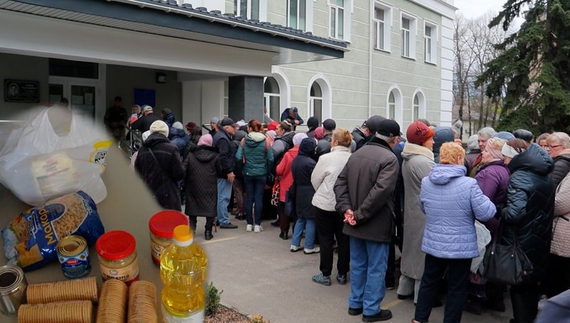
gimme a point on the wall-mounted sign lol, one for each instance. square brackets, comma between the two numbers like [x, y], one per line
[21, 91]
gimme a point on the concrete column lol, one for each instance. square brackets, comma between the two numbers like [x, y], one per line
[246, 98]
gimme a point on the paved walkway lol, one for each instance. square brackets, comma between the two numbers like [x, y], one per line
[259, 275]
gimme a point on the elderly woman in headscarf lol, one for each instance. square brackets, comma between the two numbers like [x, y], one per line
[286, 180]
[302, 168]
[493, 179]
[200, 183]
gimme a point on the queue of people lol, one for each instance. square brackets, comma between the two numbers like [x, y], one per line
[506, 188]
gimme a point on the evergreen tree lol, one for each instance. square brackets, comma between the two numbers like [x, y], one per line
[533, 73]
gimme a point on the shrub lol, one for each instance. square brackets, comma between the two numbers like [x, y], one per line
[212, 299]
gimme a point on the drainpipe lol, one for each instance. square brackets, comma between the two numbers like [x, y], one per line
[370, 52]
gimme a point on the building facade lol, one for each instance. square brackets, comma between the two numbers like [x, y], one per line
[399, 63]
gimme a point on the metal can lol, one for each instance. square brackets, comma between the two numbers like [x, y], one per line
[13, 287]
[73, 256]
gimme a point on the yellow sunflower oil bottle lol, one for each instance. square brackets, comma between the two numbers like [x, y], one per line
[183, 271]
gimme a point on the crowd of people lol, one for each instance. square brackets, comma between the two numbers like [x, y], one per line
[364, 193]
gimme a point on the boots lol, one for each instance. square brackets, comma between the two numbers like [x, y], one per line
[525, 306]
[208, 235]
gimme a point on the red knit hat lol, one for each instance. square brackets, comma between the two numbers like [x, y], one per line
[418, 133]
[272, 125]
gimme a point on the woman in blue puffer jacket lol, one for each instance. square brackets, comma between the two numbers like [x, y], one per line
[451, 202]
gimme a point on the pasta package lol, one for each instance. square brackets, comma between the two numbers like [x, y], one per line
[31, 239]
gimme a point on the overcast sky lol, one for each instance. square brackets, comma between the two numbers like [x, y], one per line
[476, 8]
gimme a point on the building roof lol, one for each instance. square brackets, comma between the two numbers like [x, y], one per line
[168, 18]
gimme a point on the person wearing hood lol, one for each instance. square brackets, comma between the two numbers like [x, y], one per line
[202, 170]
[160, 166]
[417, 162]
[441, 136]
[527, 219]
[179, 137]
[285, 175]
[292, 116]
[303, 192]
[256, 156]
[167, 116]
[451, 202]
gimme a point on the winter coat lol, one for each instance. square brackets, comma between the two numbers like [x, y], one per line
[418, 162]
[358, 137]
[493, 179]
[257, 153]
[366, 186]
[281, 145]
[201, 185]
[302, 168]
[285, 116]
[441, 136]
[561, 168]
[161, 178]
[284, 172]
[227, 150]
[560, 244]
[470, 159]
[143, 123]
[324, 145]
[324, 176]
[530, 206]
[179, 138]
[452, 202]
[168, 117]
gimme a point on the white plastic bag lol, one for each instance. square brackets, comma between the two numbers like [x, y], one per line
[483, 239]
[48, 157]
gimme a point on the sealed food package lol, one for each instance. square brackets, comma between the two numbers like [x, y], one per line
[31, 239]
[46, 158]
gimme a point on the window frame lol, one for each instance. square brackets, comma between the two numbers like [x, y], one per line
[262, 7]
[308, 15]
[412, 34]
[432, 40]
[346, 13]
[387, 22]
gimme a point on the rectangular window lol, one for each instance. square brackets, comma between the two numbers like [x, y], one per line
[297, 13]
[337, 19]
[380, 27]
[248, 9]
[430, 43]
[405, 37]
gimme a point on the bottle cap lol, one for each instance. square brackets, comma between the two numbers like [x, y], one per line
[182, 233]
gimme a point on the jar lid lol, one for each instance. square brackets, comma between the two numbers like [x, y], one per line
[162, 224]
[115, 245]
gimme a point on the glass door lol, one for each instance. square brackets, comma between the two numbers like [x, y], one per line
[83, 99]
[81, 95]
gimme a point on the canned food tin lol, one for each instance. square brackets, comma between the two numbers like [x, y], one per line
[73, 256]
[13, 287]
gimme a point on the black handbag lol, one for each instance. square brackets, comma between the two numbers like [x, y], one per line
[505, 264]
[290, 209]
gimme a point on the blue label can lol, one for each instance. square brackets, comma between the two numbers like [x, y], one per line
[73, 256]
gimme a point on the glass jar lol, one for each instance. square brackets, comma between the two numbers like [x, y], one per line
[161, 227]
[117, 255]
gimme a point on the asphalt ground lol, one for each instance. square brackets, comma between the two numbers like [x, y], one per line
[259, 275]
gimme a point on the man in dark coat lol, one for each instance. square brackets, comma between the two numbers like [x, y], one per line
[324, 145]
[116, 119]
[364, 194]
[292, 115]
[227, 150]
[160, 165]
[202, 170]
[144, 122]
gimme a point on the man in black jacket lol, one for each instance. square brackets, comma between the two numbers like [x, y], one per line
[160, 165]
[292, 116]
[227, 151]
[147, 119]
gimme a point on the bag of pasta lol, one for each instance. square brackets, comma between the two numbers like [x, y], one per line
[30, 240]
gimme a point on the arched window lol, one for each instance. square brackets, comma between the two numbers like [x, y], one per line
[416, 108]
[392, 106]
[316, 101]
[272, 99]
